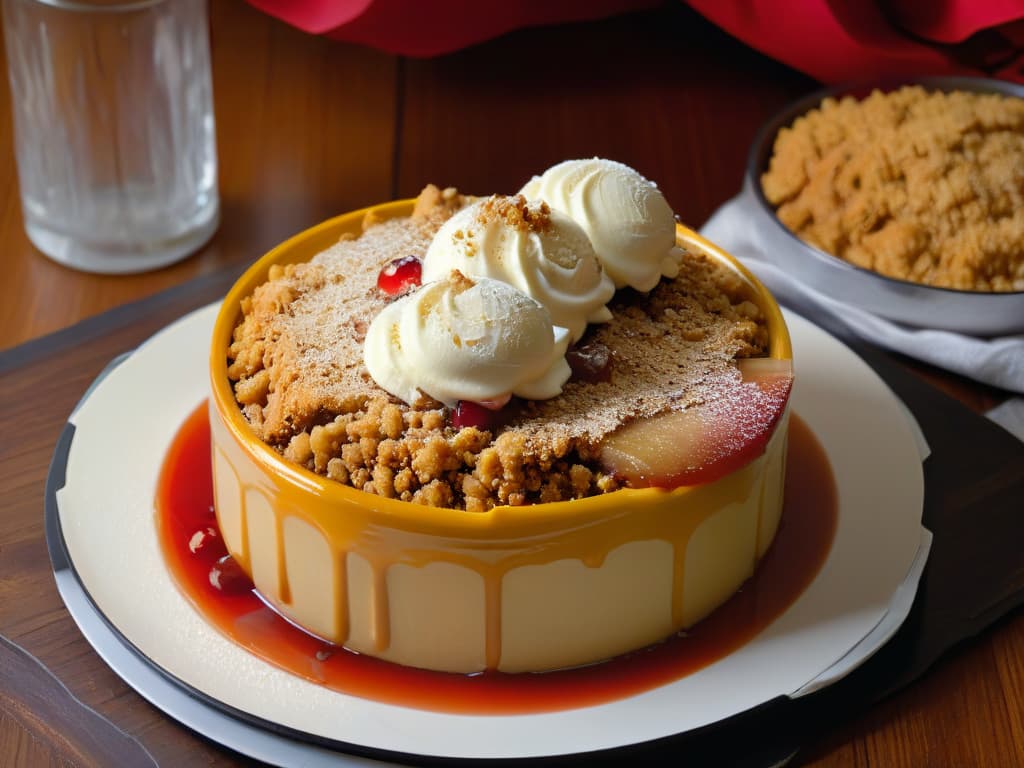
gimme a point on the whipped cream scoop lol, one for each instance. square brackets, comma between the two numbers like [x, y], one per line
[625, 216]
[542, 252]
[464, 339]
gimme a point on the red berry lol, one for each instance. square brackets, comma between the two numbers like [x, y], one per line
[590, 362]
[227, 576]
[400, 275]
[470, 414]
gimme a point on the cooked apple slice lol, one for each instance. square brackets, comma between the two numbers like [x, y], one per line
[706, 442]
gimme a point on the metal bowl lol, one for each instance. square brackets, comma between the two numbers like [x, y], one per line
[971, 312]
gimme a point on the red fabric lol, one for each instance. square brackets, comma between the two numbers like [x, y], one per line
[430, 27]
[954, 21]
[844, 40]
[831, 40]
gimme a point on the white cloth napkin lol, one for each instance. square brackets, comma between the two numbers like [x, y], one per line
[997, 361]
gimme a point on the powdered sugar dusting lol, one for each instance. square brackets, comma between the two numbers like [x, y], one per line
[297, 359]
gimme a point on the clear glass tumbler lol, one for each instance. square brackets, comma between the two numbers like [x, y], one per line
[114, 133]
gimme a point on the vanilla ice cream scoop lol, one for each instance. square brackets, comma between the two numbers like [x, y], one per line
[463, 339]
[625, 216]
[542, 252]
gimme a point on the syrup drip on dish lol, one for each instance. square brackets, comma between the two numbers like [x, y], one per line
[185, 507]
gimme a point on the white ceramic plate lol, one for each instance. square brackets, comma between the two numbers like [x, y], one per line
[105, 510]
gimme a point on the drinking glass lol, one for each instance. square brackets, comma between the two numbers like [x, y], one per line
[114, 131]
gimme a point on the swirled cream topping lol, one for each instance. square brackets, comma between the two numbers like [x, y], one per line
[542, 252]
[625, 216]
[463, 339]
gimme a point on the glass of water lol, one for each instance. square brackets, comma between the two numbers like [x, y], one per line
[114, 132]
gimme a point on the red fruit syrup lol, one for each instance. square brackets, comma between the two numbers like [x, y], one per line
[185, 508]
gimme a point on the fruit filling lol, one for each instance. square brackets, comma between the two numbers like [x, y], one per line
[590, 362]
[400, 275]
[482, 416]
[707, 441]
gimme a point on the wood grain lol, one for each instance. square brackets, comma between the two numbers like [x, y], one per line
[308, 128]
[635, 88]
[41, 382]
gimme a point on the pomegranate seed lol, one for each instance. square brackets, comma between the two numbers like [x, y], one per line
[496, 403]
[400, 275]
[470, 414]
[590, 362]
[227, 576]
[206, 543]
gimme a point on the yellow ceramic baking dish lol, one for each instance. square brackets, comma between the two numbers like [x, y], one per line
[514, 589]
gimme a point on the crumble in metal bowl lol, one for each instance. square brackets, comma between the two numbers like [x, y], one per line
[919, 185]
[916, 305]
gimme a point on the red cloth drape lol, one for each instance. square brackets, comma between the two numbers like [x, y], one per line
[831, 40]
[430, 27]
[844, 40]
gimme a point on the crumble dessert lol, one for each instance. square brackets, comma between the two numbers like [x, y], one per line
[474, 357]
[297, 363]
[917, 185]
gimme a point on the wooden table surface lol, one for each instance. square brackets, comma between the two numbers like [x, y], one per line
[308, 128]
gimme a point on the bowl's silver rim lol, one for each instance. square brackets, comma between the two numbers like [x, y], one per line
[760, 151]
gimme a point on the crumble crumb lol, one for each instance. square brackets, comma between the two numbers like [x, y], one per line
[516, 213]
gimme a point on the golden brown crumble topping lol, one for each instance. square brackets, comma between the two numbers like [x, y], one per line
[927, 187]
[297, 367]
[516, 212]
